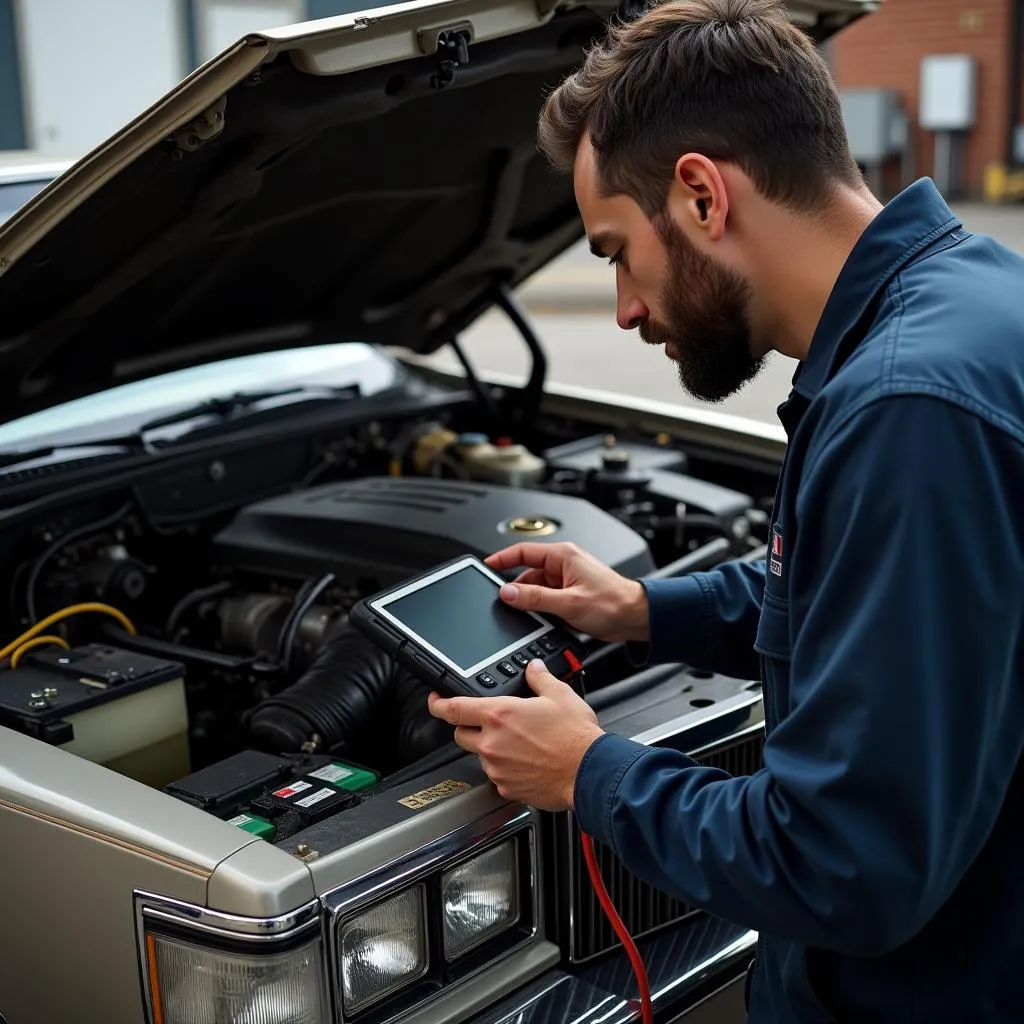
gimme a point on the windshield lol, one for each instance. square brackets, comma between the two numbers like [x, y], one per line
[124, 409]
[15, 195]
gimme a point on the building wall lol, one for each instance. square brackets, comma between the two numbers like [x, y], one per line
[12, 124]
[885, 50]
[17, 127]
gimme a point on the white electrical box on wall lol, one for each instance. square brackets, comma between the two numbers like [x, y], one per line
[948, 93]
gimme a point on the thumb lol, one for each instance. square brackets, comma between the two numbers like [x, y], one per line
[534, 598]
[539, 679]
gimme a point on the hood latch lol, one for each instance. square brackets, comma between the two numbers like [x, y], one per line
[452, 50]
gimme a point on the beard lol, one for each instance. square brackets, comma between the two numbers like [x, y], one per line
[706, 329]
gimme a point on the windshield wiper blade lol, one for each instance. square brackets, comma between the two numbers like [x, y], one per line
[130, 445]
[228, 405]
[135, 443]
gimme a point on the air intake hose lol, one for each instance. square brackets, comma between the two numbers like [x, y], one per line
[357, 700]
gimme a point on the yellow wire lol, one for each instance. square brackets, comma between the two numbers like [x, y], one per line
[64, 613]
[39, 641]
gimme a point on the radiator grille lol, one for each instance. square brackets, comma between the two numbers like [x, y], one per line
[642, 908]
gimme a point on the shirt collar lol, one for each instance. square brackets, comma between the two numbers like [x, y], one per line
[911, 222]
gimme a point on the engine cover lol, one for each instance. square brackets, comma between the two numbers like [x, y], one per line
[385, 529]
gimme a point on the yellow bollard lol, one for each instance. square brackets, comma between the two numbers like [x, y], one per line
[995, 183]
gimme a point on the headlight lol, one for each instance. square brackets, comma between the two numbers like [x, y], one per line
[383, 949]
[191, 984]
[480, 899]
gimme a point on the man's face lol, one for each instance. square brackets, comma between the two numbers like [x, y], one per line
[670, 291]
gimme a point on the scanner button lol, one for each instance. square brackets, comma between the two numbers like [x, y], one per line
[534, 651]
[486, 679]
[507, 668]
[548, 644]
[520, 659]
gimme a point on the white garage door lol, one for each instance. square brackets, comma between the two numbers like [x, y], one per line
[90, 66]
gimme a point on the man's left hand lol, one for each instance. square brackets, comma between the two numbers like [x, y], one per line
[530, 748]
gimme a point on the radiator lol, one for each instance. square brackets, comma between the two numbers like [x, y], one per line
[643, 909]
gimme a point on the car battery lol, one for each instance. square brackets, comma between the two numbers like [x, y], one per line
[226, 787]
[124, 710]
[274, 796]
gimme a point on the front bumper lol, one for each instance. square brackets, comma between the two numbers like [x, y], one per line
[686, 965]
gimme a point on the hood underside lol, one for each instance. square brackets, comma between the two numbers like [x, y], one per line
[318, 183]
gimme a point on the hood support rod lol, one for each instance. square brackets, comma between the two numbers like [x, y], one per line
[481, 390]
[533, 391]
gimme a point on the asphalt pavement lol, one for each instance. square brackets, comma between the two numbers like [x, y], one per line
[572, 306]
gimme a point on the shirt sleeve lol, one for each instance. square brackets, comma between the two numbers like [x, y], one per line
[883, 782]
[706, 619]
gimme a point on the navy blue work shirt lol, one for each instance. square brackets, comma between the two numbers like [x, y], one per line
[878, 852]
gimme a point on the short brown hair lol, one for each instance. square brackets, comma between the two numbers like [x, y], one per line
[734, 80]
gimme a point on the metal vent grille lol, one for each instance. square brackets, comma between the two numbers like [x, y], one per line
[643, 909]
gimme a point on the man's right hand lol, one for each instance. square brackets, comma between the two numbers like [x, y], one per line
[562, 580]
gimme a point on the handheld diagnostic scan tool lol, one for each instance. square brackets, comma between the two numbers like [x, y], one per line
[450, 628]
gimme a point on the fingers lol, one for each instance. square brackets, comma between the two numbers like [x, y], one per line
[531, 555]
[537, 599]
[458, 711]
[539, 679]
[468, 739]
[513, 557]
[534, 577]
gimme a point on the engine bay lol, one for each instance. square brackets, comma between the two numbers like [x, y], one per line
[196, 637]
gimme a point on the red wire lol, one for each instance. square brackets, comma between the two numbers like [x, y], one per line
[646, 1010]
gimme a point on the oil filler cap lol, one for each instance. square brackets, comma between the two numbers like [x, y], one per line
[531, 526]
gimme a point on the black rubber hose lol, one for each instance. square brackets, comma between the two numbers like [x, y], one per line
[355, 698]
[419, 732]
[339, 698]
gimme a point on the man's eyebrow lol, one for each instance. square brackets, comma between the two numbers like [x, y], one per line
[598, 245]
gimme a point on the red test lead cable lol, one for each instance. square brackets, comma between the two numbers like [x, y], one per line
[594, 870]
[646, 1009]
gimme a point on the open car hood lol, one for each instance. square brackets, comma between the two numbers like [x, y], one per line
[328, 181]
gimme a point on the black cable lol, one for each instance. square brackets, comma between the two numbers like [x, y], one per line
[192, 598]
[705, 557]
[304, 600]
[630, 686]
[63, 541]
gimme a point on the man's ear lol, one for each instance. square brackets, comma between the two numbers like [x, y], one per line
[698, 195]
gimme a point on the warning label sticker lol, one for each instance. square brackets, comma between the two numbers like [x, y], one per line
[331, 773]
[440, 791]
[295, 787]
[242, 819]
[315, 798]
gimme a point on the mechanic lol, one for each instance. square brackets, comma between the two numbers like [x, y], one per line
[876, 852]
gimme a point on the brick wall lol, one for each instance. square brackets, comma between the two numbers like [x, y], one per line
[885, 50]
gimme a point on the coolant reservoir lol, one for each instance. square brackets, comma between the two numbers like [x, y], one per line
[503, 461]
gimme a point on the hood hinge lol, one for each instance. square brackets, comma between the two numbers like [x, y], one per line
[200, 130]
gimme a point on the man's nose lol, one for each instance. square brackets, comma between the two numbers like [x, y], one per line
[630, 311]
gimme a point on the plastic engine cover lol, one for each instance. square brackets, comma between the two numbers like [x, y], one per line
[384, 529]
